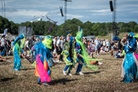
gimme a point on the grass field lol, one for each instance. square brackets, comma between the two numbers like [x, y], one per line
[105, 79]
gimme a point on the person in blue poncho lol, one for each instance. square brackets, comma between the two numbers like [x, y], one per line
[130, 65]
[17, 51]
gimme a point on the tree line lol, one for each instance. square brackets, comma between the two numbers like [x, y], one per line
[70, 26]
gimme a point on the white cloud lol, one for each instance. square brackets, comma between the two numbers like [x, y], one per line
[70, 16]
[101, 11]
[28, 13]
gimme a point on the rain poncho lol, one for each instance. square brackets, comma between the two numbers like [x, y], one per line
[43, 59]
[130, 63]
[17, 49]
[83, 56]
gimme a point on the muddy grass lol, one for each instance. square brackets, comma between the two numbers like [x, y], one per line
[105, 79]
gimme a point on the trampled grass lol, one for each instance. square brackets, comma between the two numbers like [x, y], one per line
[105, 79]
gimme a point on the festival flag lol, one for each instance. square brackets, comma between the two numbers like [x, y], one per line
[5, 31]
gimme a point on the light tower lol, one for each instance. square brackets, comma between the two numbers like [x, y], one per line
[65, 14]
[114, 25]
[3, 7]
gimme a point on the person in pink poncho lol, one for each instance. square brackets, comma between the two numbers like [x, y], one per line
[43, 60]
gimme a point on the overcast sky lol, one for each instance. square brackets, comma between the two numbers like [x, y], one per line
[85, 10]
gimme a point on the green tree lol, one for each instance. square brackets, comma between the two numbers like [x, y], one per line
[136, 28]
[87, 27]
[13, 28]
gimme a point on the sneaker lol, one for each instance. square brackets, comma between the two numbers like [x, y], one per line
[60, 61]
[64, 72]
[45, 84]
[70, 74]
[80, 73]
[100, 63]
[57, 60]
[16, 69]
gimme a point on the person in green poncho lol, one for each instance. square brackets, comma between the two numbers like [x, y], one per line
[68, 55]
[82, 55]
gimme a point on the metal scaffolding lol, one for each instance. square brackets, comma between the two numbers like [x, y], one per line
[3, 8]
[115, 31]
[65, 14]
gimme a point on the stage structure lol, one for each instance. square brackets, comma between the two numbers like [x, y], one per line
[52, 26]
[27, 31]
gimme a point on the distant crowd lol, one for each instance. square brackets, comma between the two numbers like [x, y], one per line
[94, 46]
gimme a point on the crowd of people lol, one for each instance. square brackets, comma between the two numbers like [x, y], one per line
[95, 46]
[71, 50]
